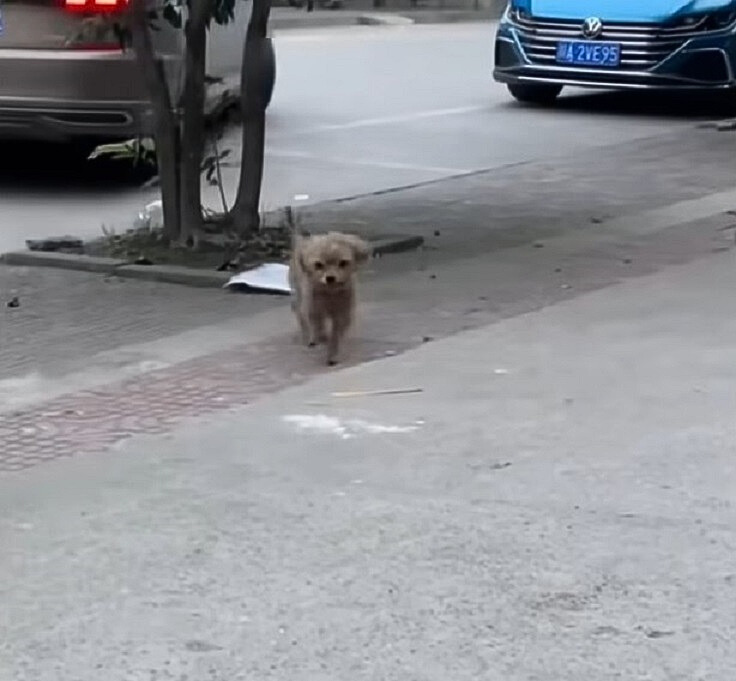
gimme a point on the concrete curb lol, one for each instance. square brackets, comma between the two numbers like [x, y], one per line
[168, 274]
[395, 244]
[455, 16]
[174, 274]
[62, 261]
[383, 19]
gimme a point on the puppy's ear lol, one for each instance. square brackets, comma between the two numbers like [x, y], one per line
[361, 250]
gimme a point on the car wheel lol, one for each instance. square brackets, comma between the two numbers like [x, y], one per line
[535, 93]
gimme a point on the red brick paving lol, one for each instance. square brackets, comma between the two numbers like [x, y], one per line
[94, 420]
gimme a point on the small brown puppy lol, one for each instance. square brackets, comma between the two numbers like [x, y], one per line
[322, 274]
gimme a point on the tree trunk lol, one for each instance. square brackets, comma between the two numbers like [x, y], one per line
[166, 129]
[254, 101]
[193, 121]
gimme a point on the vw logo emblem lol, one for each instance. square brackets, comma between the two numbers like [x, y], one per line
[592, 27]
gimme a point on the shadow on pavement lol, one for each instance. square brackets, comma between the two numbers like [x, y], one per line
[53, 166]
[666, 105]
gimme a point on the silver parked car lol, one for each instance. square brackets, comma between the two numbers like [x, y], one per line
[65, 76]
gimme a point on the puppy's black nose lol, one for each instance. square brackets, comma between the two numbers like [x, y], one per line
[330, 279]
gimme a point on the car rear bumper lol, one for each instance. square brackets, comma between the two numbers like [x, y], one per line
[704, 64]
[65, 94]
[59, 121]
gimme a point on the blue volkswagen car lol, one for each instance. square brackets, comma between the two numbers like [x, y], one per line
[543, 45]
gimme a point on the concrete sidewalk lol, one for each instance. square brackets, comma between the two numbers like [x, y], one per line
[88, 361]
[557, 504]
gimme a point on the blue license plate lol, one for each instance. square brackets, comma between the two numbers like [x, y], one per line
[588, 53]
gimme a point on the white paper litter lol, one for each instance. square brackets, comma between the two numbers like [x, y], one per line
[151, 217]
[271, 276]
[331, 425]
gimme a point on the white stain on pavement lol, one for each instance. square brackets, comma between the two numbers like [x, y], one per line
[345, 429]
[14, 390]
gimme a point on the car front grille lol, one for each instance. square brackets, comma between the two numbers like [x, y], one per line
[643, 46]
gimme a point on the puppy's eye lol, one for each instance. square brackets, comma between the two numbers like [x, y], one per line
[318, 266]
[343, 264]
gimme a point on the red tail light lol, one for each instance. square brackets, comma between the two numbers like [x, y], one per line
[95, 6]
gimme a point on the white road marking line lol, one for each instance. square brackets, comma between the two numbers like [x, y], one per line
[383, 120]
[354, 32]
[388, 165]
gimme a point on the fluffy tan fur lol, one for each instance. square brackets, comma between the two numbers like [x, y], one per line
[322, 274]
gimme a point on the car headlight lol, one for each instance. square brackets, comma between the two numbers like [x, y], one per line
[515, 15]
[719, 21]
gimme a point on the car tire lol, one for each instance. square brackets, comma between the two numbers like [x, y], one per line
[537, 94]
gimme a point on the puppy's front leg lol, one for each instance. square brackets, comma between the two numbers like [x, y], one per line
[338, 329]
[296, 308]
[316, 328]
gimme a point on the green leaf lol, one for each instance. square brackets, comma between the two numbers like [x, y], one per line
[135, 150]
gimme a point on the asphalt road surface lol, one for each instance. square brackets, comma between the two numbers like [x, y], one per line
[356, 110]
